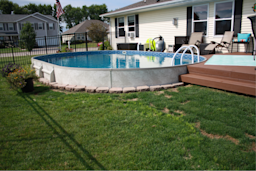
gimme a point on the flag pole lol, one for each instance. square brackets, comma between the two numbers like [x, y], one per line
[59, 33]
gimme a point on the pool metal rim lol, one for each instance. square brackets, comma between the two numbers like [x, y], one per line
[109, 69]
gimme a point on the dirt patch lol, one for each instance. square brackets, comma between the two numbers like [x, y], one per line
[159, 92]
[168, 96]
[212, 136]
[185, 102]
[254, 146]
[62, 91]
[180, 112]
[250, 136]
[152, 105]
[189, 157]
[189, 85]
[173, 90]
[165, 110]
[136, 99]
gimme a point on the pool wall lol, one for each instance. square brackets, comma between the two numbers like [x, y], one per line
[108, 77]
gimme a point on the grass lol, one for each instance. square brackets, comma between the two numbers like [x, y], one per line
[9, 50]
[22, 60]
[82, 45]
[56, 130]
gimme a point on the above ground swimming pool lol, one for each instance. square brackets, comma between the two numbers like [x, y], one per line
[113, 68]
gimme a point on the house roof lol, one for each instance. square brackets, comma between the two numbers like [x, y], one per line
[82, 27]
[149, 5]
[14, 17]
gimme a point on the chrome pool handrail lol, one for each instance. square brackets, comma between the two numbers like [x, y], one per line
[192, 53]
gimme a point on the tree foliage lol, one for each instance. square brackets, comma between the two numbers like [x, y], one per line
[72, 15]
[96, 31]
[27, 36]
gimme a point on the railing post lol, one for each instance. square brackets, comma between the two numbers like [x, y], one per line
[45, 40]
[12, 52]
[86, 41]
[103, 47]
[75, 41]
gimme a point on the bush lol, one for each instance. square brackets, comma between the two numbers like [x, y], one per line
[107, 46]
[9, 68]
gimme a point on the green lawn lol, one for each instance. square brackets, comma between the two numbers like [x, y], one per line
[58, 130]
[9, 50]
[82, 45]
[22, 60]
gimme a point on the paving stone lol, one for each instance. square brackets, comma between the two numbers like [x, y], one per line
[142, 88]
[51, 84]
[79, 88]
[44, 81]
[128, 89]
[102, 90]
[167, 86]
[62, 86]
[70, 87]
[155, 88]
[116, 90]
[90, 89]
[178, 84]
[55, 86]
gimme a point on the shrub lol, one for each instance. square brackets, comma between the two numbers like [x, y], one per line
[9, 68]
[107, 46]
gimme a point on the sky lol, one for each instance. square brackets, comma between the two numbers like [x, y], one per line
[111, 4]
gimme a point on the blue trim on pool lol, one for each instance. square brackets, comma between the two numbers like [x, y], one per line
[128, 52]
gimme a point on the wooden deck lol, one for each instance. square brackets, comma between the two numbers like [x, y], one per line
[240, 79]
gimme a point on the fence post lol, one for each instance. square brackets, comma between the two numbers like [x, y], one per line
[45, 44]
[75, 41]
[103, 47]
[12, 52]
[86, 41]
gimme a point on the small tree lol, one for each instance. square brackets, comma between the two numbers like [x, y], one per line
[27, 37]
[96, 31]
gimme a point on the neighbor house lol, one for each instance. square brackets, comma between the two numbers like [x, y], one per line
[169, 18]
[44, 25]
[78, 32]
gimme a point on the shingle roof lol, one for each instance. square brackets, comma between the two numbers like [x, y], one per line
[15, 17]
[139, 4]
[82, 27]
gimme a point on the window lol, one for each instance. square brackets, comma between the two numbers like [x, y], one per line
[1, 26]
[51, 26]
[200, 18]
[131, 23]
[120, 26]
[78, 36]
[10, 26]
[223, 17]
[33, 25]
[40, 26]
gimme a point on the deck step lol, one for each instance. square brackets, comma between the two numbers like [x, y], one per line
[245, 87]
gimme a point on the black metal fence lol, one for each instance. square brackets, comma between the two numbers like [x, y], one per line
[14, 51]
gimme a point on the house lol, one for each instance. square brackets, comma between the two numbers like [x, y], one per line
[44, 25]
[169, 18]
[78, 32]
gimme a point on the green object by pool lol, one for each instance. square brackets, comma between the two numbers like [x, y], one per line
[232, 60]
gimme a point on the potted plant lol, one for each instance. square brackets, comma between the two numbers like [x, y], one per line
[9, 68]
[22, 78]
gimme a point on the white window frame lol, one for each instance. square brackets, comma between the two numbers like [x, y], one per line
[50, 28]
[195, 21]
[78, 36]
[39, 26]
[33, 25]
[10, 25]
[2, 26]
[131, 26]
[214, 19]
[121, 26]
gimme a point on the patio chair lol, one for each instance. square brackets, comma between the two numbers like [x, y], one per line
[195, 39]
[225, 42]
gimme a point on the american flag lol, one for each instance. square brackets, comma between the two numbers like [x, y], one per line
[59, 9]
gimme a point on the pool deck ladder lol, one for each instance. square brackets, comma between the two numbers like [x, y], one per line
[186, 48]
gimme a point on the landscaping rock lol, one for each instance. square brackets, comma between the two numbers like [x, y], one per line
[44, 81]
[167, 86]
[79, 88]
[142, 88]
[155, 88]
[178, 84]
[116, 90]
[70, 87]
[102, 90]
[129, 89]
[62, 86]
[55, 86]
[90, 89]
[52, 83]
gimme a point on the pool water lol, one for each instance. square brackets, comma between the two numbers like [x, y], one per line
[115, 61]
